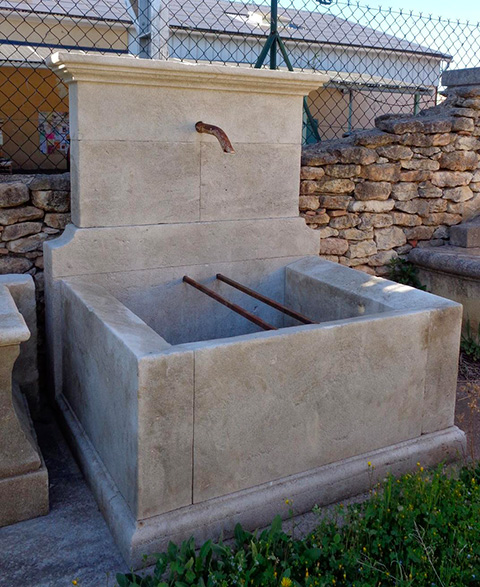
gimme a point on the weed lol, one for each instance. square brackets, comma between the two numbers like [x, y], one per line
[403, 272]
[418, 530]
[470, 343]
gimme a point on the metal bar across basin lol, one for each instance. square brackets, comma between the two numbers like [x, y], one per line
[265, 300]
[225, 302]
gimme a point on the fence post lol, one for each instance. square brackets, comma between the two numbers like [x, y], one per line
[159, 29]
[153, 29]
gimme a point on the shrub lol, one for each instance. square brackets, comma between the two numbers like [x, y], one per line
[420, 530]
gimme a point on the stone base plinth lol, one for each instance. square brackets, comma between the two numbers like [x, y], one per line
[24, 496]
[254, 507]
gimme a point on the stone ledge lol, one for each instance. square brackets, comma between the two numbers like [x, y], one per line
[448, 259]
[461, 77]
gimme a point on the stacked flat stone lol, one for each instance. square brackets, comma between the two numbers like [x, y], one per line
[33, 209]
[377, 194]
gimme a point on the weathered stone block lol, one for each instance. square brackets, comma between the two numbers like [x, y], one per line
[382, 258]
[464, 112]
[463, 124]
[404, 191]
[381, 172]
[368, 221]
[388, 238]
[422, 164]
[374, 138]
[308, 187]
[463, 143]
[373, 190]
[356, 155]
[13, 215]
[361, 249]
[334, 202]
[422, 140]
[472, 103]
[315, 155]
[327, 232]
[342, 171]
[442, 218]
[337, 186]
[311, 172]
[13, 194]
[466, 209]
[306, 203]
[333, 246]
[398, 124]
[355, 234]
[402, 219]
[415, 175]
[410, 206]
[51, 201]
[427, 190]
[317, 217]
[444, 179]
[58, 182]
[346, 221]
[458, 194]
[371, 206]
[441, 232]
[395, 152]
[426, 151]
[14, 265]
[426, 207]
[15, 231]
[459, 160]
[56, 221]
[353, 262]
[29, 243]
[419, 233]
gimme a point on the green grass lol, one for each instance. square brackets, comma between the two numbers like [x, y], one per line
[422, 529]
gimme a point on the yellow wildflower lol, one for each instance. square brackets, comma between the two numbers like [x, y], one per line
[286, 582]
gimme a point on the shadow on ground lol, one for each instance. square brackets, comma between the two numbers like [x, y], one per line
[72, 542]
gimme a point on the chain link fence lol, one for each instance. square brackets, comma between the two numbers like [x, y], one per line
[377, 60]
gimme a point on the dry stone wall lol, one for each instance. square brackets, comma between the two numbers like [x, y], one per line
[33, 209]
[377, 194]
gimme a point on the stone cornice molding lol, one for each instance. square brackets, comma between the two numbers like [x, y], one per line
[74, 67]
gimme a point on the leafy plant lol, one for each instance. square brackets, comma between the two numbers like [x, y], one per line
[470, 343]
[404, 272]
[419, 530]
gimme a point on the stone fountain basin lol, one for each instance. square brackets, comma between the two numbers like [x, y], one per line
[180, 424]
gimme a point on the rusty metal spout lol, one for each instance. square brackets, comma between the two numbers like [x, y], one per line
[216, 131]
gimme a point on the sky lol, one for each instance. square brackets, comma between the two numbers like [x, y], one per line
[452, 9]
[461, 41]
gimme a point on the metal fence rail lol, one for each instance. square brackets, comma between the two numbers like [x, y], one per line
[377, 60]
